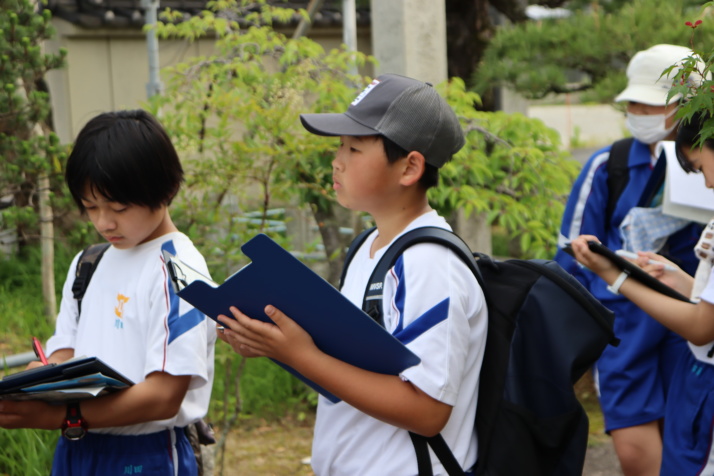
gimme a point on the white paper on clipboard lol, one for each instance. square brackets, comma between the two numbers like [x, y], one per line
[685, 195]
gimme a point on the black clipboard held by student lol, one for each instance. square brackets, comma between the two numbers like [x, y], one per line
[632, 270]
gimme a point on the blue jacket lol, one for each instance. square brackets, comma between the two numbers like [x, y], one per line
[585, 214]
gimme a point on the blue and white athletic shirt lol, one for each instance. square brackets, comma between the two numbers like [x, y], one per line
[434, 305]
[132, 320]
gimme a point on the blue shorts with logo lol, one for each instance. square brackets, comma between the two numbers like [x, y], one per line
[121, 455]
[689, 420]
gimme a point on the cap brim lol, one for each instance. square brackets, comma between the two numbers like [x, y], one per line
[335, 124]
[651, 96]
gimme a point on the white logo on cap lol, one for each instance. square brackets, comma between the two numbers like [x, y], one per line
[364, 93]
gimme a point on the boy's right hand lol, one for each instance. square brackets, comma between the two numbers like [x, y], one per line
[284, 341]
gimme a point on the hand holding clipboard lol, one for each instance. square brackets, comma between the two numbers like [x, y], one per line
[632, 270]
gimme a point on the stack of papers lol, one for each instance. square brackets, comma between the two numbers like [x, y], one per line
[76, 379]
[685, 195]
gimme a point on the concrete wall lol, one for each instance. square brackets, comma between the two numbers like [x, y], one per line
[409, 38]
[582, 126]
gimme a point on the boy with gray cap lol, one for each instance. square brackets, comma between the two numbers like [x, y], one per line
[393, 139]
[632, 379]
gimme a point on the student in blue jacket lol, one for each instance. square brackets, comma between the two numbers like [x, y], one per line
[633, 378]
[688, 428]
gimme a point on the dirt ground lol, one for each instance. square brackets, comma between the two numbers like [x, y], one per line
[282, 448]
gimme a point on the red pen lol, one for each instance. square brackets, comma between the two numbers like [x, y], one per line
[38, 350]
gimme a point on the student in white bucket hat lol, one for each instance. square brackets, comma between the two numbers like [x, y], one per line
[633, 378]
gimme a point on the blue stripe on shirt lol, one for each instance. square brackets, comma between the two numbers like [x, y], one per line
[179, 324]
[423, 323]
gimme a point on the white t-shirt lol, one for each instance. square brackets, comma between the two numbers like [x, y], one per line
[132, 320]
[433, 304]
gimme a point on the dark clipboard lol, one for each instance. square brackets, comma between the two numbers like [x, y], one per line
[274, 276]
[72, 369]
[633, 270]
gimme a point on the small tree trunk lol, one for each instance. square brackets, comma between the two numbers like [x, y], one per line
[47, 237]
[329, 228]
[47, 240]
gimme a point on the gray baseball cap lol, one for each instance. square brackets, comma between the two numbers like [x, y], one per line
[408, 112]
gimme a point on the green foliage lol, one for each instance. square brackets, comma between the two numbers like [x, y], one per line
[587, 51]
[697, 96]
[27, 452]
[512, 168]
[21, 315]
[25, 107]
[236, 112]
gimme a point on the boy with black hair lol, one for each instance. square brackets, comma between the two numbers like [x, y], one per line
[124, 172]
[393, 139]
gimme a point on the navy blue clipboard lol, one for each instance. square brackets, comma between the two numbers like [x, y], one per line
[274, 276]
[54, 373]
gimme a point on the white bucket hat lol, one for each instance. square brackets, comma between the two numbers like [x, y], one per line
[645, 82]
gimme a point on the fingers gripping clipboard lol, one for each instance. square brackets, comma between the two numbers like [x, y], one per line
[632, 270]
[274, 276]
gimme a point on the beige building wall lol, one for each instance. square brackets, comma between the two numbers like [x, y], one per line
[108, 69]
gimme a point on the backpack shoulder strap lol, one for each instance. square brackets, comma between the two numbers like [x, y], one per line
[86, 265]
[372, 303]
[618, 173]
[354, 246]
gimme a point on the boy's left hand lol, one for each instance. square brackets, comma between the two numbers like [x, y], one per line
[31, 414]
[284, 341]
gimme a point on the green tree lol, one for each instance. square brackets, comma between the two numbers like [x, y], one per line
[587, 51]
[30, 151]
[236, 112]
[512, 168]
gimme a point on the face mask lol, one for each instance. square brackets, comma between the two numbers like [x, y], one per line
[648, 128]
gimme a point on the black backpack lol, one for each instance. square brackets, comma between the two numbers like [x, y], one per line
[545, 330]
[618, 173]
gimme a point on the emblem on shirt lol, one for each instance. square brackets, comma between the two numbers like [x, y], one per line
[119, 310]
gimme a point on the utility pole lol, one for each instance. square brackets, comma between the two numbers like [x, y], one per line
[349, 28]
[409, 38]
[151, 8]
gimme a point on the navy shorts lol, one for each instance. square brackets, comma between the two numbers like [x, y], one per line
[633, 378]
[689, 420]
[121, 455]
